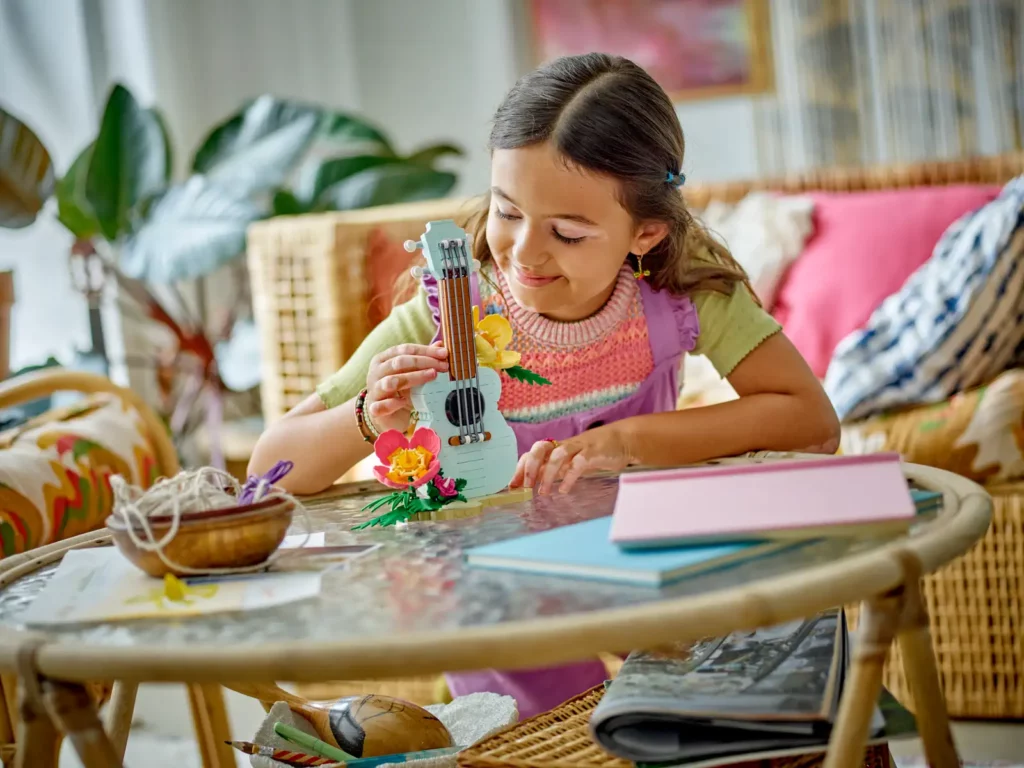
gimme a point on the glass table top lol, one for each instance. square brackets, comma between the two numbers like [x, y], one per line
[418, 580]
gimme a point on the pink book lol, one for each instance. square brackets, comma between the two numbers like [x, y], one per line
[785, 499]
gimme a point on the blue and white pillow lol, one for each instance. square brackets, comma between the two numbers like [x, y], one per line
[957, 322]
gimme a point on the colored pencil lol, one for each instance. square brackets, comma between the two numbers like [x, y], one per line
[405, 757]
[313, 744]
[282, 755]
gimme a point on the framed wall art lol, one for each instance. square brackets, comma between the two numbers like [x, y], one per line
[695, 49]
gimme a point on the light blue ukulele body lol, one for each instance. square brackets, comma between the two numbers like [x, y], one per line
[487, 466]
[461, 406]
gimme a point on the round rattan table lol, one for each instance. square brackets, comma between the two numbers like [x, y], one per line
[413, 607]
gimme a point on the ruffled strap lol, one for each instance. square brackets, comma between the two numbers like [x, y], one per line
[672, 323]
[430, 287]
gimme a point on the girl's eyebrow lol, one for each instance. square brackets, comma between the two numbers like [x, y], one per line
[567, 216]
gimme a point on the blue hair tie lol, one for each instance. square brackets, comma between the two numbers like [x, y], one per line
[675, 179]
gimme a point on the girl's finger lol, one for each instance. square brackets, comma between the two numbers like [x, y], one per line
[517, 478]
[388, 406]
[403, 381]
[406, 350]
[577, 467]
[557, 460]
[533, 462]
[406, 363]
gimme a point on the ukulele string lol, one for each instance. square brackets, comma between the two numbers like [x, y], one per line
[478, 422]
[468, 338]
[455, 324]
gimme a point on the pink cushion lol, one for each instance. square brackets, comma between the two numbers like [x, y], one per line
[864, 247]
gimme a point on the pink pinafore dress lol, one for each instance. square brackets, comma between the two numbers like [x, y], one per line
[672, 329]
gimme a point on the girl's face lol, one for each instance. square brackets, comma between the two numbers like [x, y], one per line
[559, 234]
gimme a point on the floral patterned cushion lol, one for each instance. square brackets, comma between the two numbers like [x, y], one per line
[978, 434]
[55, 470]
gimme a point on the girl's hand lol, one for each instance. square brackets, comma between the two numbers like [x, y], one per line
[602, 448]
[392, 374]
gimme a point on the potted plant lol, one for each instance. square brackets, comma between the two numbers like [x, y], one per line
[154, 237]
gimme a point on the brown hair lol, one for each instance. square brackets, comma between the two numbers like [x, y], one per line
[605, 114]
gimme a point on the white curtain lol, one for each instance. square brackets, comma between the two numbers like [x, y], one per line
[864, 82]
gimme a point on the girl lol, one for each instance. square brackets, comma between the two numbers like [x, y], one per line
[587, 249]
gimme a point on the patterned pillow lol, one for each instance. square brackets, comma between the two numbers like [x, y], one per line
[55, 470]
[977, 434]
[957, 323]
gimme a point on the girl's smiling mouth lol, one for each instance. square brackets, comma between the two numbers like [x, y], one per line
[531, 280]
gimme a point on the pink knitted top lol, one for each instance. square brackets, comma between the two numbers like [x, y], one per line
[590, 364]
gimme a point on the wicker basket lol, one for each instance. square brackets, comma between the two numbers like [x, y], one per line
[561, 739]
[976, 606]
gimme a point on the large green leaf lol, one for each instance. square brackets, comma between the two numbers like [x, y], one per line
[330, 172]
[169, 154]
[26, 173]
[386, 184]
[129, 162]
[73, 209]
[255, 150]
[286, 204]
[191, 231]
[346, 129]
[430, 155]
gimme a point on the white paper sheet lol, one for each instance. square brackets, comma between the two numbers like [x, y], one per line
[101, 585]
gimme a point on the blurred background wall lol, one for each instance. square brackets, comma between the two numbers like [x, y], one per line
[854, 82]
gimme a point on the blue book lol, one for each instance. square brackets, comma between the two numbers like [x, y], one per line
[583, 550]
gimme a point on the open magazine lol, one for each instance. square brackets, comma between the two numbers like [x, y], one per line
[746, 694]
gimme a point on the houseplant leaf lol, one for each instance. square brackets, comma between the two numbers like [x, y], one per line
[191, 231]
[168, 146]
[129, 162]
[26, 173]
[286, 204]
[255, 150]
[238, 358]
[330, 172]
[385, 184]
[430, 155]
[72, 208]
[346, 129]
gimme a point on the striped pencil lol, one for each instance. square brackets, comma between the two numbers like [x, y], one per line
[282, 755]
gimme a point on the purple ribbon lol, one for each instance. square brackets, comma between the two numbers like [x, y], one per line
[256, 486]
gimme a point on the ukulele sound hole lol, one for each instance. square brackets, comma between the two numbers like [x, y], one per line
[464, 407]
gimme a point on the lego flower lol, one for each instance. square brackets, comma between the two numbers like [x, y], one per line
[446, 486]
[493, 335]
[407, 462]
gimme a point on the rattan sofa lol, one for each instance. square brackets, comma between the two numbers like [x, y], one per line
[311, 283]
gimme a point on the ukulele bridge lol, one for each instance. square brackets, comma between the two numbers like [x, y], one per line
[481, 437]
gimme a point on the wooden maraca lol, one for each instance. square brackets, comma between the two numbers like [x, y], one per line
[363, 726]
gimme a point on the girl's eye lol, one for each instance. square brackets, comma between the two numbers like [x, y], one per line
[502, 215]
[564, 239]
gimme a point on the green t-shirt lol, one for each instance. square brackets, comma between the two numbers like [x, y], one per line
[731, 327]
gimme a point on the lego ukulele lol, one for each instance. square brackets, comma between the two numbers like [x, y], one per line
[476, 443]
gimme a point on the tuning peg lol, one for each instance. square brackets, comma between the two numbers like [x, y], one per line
[413, 245]
[417, 272]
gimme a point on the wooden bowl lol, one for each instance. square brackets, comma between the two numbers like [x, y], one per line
[232, 537]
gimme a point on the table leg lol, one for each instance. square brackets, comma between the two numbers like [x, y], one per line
[38, 740]
[118, 716]
[74, 712]
[851, 730]
[210, 717]
[923, 678]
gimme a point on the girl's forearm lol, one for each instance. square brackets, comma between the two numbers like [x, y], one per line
[758, 422]
[323, 445]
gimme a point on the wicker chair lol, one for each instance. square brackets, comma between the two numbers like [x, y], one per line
[209, 713]
[313, 281]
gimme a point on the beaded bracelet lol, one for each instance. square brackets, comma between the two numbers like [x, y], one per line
[363, 421]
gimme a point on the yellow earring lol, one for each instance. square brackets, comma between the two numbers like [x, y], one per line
[640, 272]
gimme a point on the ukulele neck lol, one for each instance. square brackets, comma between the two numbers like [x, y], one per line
[456, 303]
